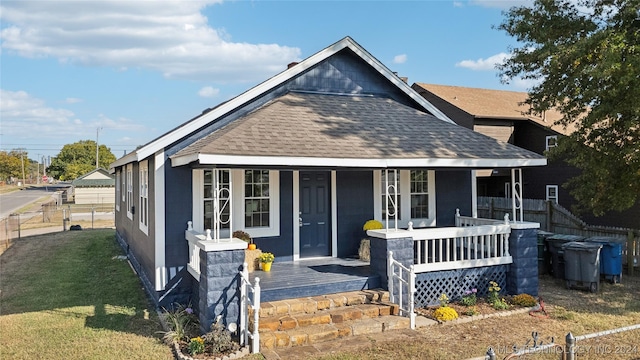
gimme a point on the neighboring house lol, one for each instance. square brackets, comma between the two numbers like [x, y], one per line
[504, 116]
[300, 162]
[95, 187]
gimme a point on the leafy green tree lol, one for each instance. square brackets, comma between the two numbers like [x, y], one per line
[79, 158]
[584, 56]
[11, 164]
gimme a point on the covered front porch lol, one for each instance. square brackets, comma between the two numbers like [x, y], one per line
[473, 244]
[316, 277]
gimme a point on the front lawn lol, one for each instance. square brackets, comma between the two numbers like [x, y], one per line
[68, 296]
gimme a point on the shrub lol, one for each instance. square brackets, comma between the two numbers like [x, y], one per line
[524, 300]
[219, 340]
[471, 311]
[372, 225]
[182, 323]
[239, 234]
[469, 298]
[444, 300]
[196, 345]
[494, 289]
[500, 304]
[445, 313]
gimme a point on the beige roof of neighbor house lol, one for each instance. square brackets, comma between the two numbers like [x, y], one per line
[496, 104]
[313, 125]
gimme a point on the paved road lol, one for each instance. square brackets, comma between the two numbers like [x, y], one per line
[13, 201]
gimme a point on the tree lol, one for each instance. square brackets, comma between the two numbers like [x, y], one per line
[79, 158]
[11, 164]
[585, 57]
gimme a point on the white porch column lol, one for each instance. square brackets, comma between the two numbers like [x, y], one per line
[391, 197]
[221, 193]
[516, 194]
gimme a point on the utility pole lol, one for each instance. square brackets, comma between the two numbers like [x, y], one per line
[38, 173]
[24, 179]
[97, 147]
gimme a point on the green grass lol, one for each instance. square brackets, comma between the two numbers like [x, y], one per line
[64, 295]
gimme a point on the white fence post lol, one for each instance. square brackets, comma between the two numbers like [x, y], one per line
[245, 303]
[390, 275]
[412, 292]
[255, 347]
[244, 338]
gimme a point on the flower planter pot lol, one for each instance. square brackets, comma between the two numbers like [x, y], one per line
[266, 266]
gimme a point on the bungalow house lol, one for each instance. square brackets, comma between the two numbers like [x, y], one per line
[504, 116]
[95, 187]
[301, 162]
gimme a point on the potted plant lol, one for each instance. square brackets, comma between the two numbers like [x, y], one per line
[266, 259]
[239, 234]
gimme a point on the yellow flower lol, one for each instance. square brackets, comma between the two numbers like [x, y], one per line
[372, 225]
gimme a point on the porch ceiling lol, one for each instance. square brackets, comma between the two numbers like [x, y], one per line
[310, 129]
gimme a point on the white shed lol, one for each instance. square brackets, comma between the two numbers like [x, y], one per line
[95, 187]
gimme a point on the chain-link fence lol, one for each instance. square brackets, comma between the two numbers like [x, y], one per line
[52, 217]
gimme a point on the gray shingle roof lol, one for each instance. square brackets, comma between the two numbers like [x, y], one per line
[354, 127]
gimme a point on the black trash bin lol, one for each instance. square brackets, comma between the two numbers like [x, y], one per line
[544, 256]
[582, 265]
[610, 257]
[555, 243]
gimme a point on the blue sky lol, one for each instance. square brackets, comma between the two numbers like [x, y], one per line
[137, 69]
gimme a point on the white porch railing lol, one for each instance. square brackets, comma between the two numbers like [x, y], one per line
[405, 278]
[461, 247]
[247, 303]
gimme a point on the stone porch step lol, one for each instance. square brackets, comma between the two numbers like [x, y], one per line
[305, 321]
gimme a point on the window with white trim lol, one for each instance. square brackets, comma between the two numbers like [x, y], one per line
[552, 193]
[551, 141]
[129, 202]
[117, 200]
[123, 190]
[419, 182]
[143, 180]
[418, 186]
[255, 201]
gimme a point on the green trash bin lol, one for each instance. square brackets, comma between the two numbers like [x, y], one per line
[582, 265]
[554, 243]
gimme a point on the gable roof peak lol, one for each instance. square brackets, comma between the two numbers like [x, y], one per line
[224, 108]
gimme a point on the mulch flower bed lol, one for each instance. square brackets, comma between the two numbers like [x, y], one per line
[182, 352]
[482, 309]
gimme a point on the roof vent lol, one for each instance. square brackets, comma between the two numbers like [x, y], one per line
[292, 64]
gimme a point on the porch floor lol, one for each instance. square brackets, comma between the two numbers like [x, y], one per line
[315, 277]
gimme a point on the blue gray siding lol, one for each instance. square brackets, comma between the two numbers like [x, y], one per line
[355, 206]
[282, 246]
[453, 191]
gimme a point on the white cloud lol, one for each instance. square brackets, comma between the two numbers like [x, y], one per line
[172, 37]
[483, 64]
[25, 117]
[400, 59]
[208, 92]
